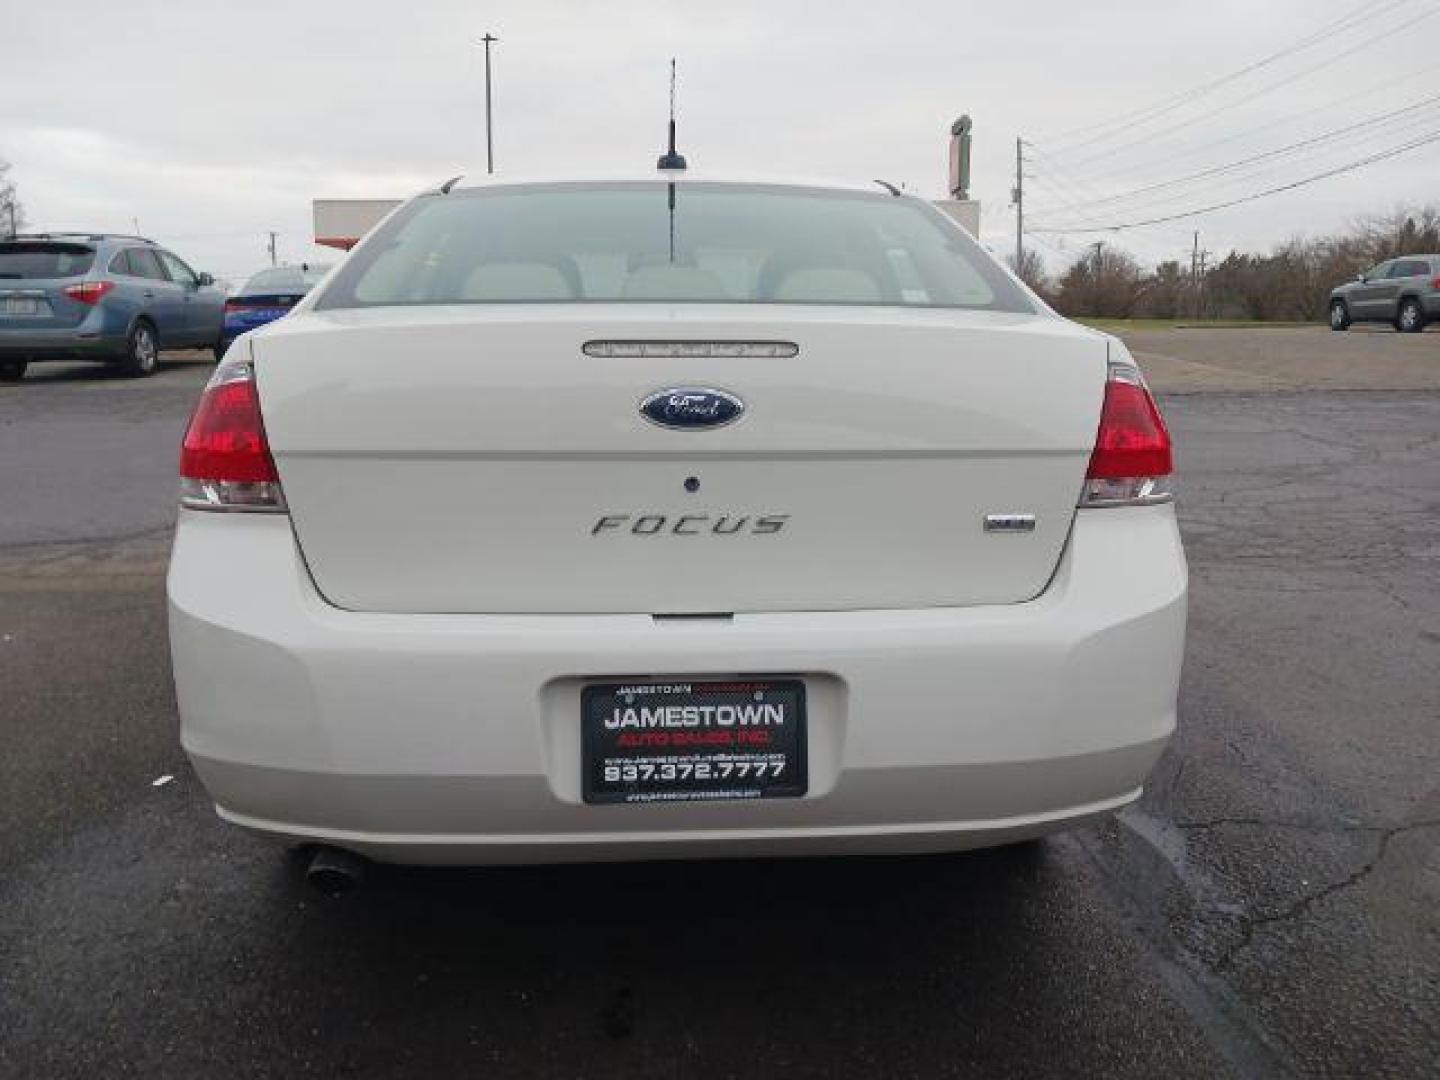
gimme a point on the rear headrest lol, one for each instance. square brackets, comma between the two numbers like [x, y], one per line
[828, 284]
[666, 281]
[501, 281]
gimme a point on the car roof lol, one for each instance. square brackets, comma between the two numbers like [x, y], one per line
[93, 237]
[298, 274]
[658, 177]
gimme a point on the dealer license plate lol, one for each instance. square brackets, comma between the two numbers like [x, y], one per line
[690, 741]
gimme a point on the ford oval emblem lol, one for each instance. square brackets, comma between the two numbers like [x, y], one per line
[691, 407]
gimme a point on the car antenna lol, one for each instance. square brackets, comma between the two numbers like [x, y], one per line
[891, 188]
[670, 159]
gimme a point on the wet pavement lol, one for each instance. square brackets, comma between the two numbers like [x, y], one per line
[1272, 908]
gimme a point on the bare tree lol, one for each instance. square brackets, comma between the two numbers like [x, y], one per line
[1291, 282]
[1031, 270]
[1406, 230]
[1167, 294]
[1107, 283]
[12, 214]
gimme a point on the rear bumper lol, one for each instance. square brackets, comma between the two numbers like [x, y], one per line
[769, 841]
[455, 738]
[83, 342]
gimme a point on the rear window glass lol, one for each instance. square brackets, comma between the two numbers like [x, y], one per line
[695, 243]
[44, 260]
[286, 279]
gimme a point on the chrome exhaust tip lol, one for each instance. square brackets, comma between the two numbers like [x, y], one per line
[335, 871]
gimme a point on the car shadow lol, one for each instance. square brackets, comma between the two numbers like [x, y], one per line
[725, 958]
[60, 372]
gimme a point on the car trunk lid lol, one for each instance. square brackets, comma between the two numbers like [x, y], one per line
[476, 459]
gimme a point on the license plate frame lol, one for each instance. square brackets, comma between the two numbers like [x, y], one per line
[21, 307]
[742, 739]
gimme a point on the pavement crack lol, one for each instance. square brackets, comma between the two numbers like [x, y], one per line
[1229, 1026]
[1317, 826]
[1386, 589]
[89, 541]
[1301, 906]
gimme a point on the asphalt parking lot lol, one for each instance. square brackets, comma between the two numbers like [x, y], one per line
[1272, 908]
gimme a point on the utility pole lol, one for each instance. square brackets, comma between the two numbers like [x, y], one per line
[1200, 286]
[271, 246]
[1017, 196]
[1198, 259]
[489, 139]
[1195, 275]
[14, 221]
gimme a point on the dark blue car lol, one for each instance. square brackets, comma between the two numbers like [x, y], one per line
[100, 296]
[267, 296]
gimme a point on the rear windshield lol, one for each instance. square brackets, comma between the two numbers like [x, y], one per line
[285, 279]
[31, 259]
[690, 243]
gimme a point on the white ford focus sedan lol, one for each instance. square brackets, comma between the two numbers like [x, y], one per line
[670, 518]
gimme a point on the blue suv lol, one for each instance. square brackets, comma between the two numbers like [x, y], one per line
[100, 296]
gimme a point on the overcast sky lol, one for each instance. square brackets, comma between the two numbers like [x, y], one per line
[210, 123]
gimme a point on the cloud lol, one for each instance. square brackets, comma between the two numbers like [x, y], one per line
[214, 123]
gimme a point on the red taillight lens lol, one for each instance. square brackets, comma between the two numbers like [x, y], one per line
[1132, 459]
[225, 461]
[89, 292]
[1435, 283]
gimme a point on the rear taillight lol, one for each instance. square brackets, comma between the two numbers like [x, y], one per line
[225, 461]
[89, 292]
[1435, 283]
[1131, 463]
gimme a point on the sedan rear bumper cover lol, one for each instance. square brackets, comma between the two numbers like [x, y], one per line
[455, 738]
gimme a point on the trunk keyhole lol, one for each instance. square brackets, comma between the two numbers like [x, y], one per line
[692, 484]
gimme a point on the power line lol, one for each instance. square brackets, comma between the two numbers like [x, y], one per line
[1150, 112]
[1369, 121]
[1083, 216]
[1325, 107]
[1055, 191]
[1295, 77]
[1078, 183]
[1309, 157]
[1383, 155]
[1067, 256]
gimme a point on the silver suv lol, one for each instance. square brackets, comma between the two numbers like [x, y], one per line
[1404, 292]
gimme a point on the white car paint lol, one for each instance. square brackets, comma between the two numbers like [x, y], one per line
[395, 664]
[497, 470]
